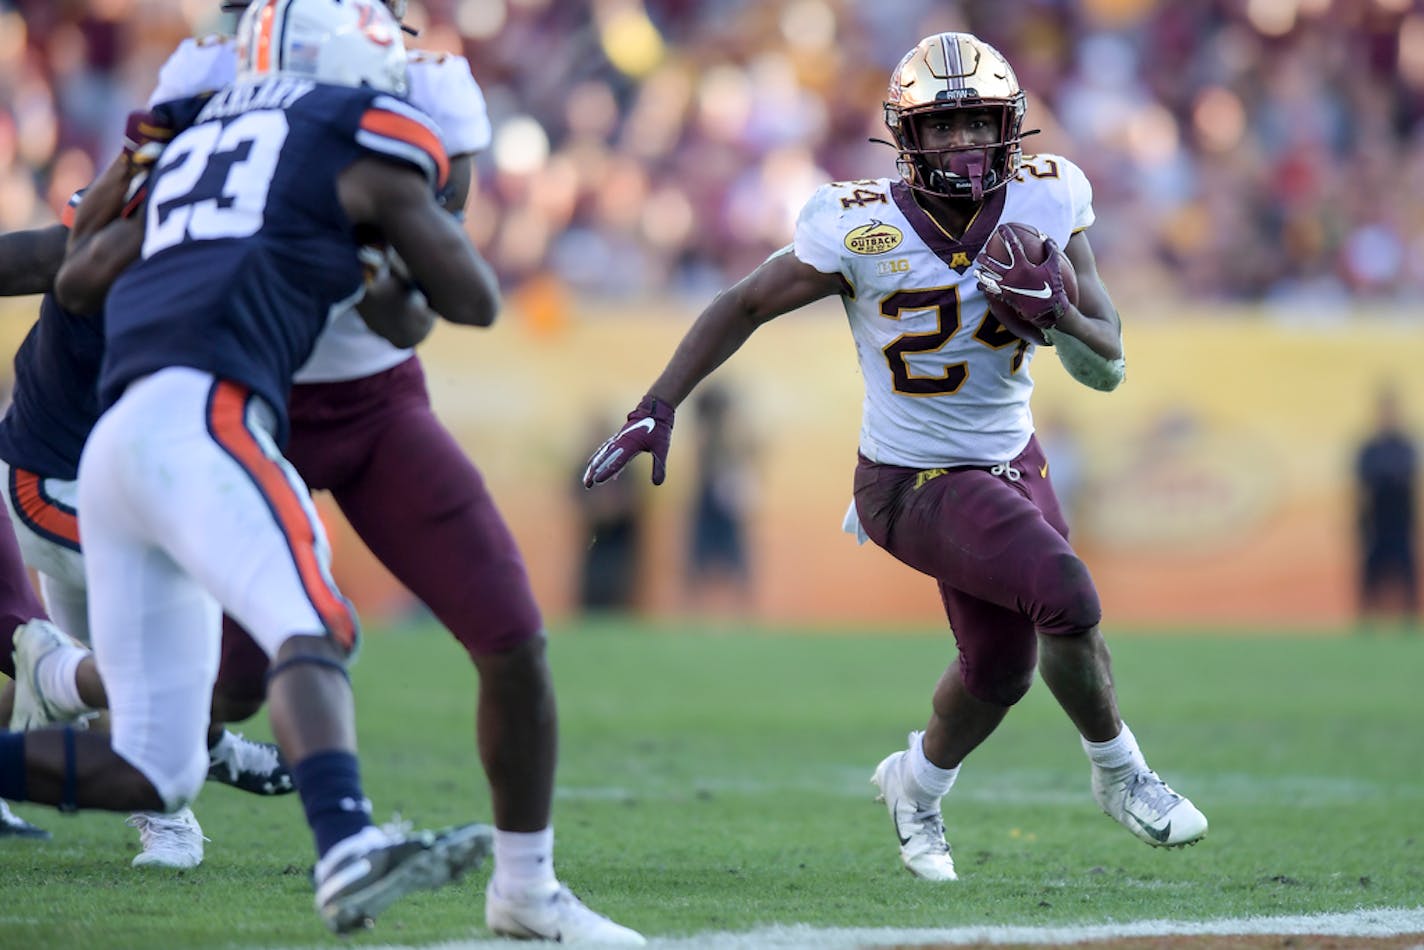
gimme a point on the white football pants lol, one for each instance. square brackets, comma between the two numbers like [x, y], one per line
[188, 509]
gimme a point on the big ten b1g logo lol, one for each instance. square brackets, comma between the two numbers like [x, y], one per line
[900, 265]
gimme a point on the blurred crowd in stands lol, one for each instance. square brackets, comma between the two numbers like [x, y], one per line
[1241, 150]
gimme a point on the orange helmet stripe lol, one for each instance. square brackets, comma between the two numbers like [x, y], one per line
[262, 60]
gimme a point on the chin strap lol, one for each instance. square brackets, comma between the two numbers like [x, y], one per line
[980, 183]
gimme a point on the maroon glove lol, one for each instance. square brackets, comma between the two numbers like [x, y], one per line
[1033, 291]
[649, 429]
[145, 134]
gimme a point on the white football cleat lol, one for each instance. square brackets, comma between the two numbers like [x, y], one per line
[919, 826]
[1146, 806]
[553, 914]
[169, 841]
[34, 641]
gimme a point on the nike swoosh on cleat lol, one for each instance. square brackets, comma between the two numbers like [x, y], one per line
[1158, 836]
[1043, 292]
[896, 822]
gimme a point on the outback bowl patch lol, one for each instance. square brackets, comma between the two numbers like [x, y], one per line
[873, 238]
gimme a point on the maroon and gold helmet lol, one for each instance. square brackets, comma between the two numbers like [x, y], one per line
[955, 71]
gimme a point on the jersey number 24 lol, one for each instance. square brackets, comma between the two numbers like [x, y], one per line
[944, 301]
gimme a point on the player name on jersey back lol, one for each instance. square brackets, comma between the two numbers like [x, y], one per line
[278, 92]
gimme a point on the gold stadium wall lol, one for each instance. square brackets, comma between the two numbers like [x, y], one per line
[1215, 484]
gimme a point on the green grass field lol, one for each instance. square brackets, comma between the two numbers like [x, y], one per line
[715, 781]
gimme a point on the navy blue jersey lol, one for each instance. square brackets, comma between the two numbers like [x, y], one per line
[55, 400]
[247, 249]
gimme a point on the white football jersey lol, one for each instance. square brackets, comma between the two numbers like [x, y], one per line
[441, 86]
[945, 383]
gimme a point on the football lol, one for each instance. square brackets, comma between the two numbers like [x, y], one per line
[1036, 252]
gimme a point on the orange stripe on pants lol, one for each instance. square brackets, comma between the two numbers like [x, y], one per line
[30, 499]
[228, 422]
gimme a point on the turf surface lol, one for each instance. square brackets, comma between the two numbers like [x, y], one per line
[715, 781]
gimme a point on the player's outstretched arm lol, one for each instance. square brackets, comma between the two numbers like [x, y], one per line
[456, 282]
[30, 259]
[781, 284]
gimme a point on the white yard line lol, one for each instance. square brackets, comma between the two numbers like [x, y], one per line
[1385, 922]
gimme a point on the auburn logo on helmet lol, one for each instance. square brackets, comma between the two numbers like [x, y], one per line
[373, 26]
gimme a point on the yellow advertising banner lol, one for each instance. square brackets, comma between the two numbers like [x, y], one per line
[1214, 487]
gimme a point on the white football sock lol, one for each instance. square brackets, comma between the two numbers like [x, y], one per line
[55, 674]
[1116, 754]
[930, 779]
[523, 861]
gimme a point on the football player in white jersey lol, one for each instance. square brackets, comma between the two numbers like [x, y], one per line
[362, 427]
[951, 479]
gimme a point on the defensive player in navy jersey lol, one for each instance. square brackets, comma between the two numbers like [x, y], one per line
[363, 428]
[244, 245]
[951, 479]
[54, 404]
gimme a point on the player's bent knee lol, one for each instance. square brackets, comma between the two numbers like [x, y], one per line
[519, 670]
[1001, 688]
[501, 640]
[309, 651]
[1067, 598]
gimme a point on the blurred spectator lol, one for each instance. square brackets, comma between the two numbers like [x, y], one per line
[718, 573]
[1387, 472]
[611, 532]
[1269, 152]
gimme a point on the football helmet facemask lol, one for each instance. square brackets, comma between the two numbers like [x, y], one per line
[952, 71]
[352, 43]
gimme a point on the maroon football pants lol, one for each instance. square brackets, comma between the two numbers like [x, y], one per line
[998, 546]
[416, 501]
[18, 601]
